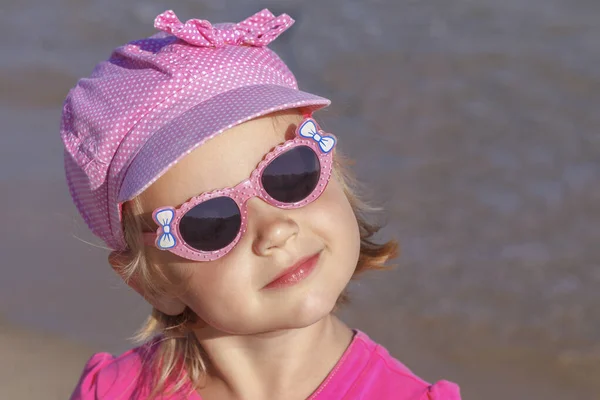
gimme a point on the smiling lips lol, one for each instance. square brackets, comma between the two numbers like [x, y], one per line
[295, 273]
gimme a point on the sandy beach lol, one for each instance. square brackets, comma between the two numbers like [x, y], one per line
[38, 366]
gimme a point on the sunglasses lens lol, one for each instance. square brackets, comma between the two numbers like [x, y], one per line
[292, 176]
[211, 225]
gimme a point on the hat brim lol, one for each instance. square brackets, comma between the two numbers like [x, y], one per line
[204, 121]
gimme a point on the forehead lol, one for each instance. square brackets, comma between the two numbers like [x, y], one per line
[223, 161]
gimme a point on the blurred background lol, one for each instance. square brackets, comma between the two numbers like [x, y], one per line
[474, 122]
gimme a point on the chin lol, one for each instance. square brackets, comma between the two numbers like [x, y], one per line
[311, 310]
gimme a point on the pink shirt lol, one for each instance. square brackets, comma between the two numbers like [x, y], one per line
[366, 371]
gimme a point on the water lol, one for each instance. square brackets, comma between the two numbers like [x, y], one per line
[475, 122]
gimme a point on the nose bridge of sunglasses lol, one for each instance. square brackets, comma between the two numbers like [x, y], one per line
[245, 190]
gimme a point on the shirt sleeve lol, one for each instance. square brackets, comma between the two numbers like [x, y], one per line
[442, 390]
[86, 388]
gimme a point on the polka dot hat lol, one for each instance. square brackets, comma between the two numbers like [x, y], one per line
[157, 99]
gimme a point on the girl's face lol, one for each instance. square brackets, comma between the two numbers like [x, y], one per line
[231, 294]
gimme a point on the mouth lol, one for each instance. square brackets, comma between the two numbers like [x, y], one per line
[296, 273]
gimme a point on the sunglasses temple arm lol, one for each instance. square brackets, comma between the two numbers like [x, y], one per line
[149, 238]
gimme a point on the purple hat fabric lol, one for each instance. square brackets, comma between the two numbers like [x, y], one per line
[157, 99]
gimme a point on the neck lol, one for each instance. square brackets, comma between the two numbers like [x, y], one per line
[286, 364]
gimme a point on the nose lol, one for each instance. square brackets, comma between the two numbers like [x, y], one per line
[272, 226]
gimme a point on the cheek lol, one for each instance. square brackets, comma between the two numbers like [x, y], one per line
[219, 292]
[334, 220]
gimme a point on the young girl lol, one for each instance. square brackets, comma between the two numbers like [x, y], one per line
[194, 156]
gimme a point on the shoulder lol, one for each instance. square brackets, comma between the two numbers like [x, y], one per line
[113, 377]
[387, 378]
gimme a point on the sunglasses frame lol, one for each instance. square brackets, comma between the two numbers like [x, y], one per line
[168, 218]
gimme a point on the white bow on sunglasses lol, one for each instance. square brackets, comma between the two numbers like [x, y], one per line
[309, 130]
[166, 240]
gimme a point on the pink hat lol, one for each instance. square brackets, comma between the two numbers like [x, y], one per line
[157, 99]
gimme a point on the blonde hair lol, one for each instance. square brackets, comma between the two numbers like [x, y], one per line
[177, 358]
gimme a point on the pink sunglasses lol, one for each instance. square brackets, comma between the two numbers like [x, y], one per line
[209, 225]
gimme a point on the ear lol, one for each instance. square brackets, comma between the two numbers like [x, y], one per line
[165, 303]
